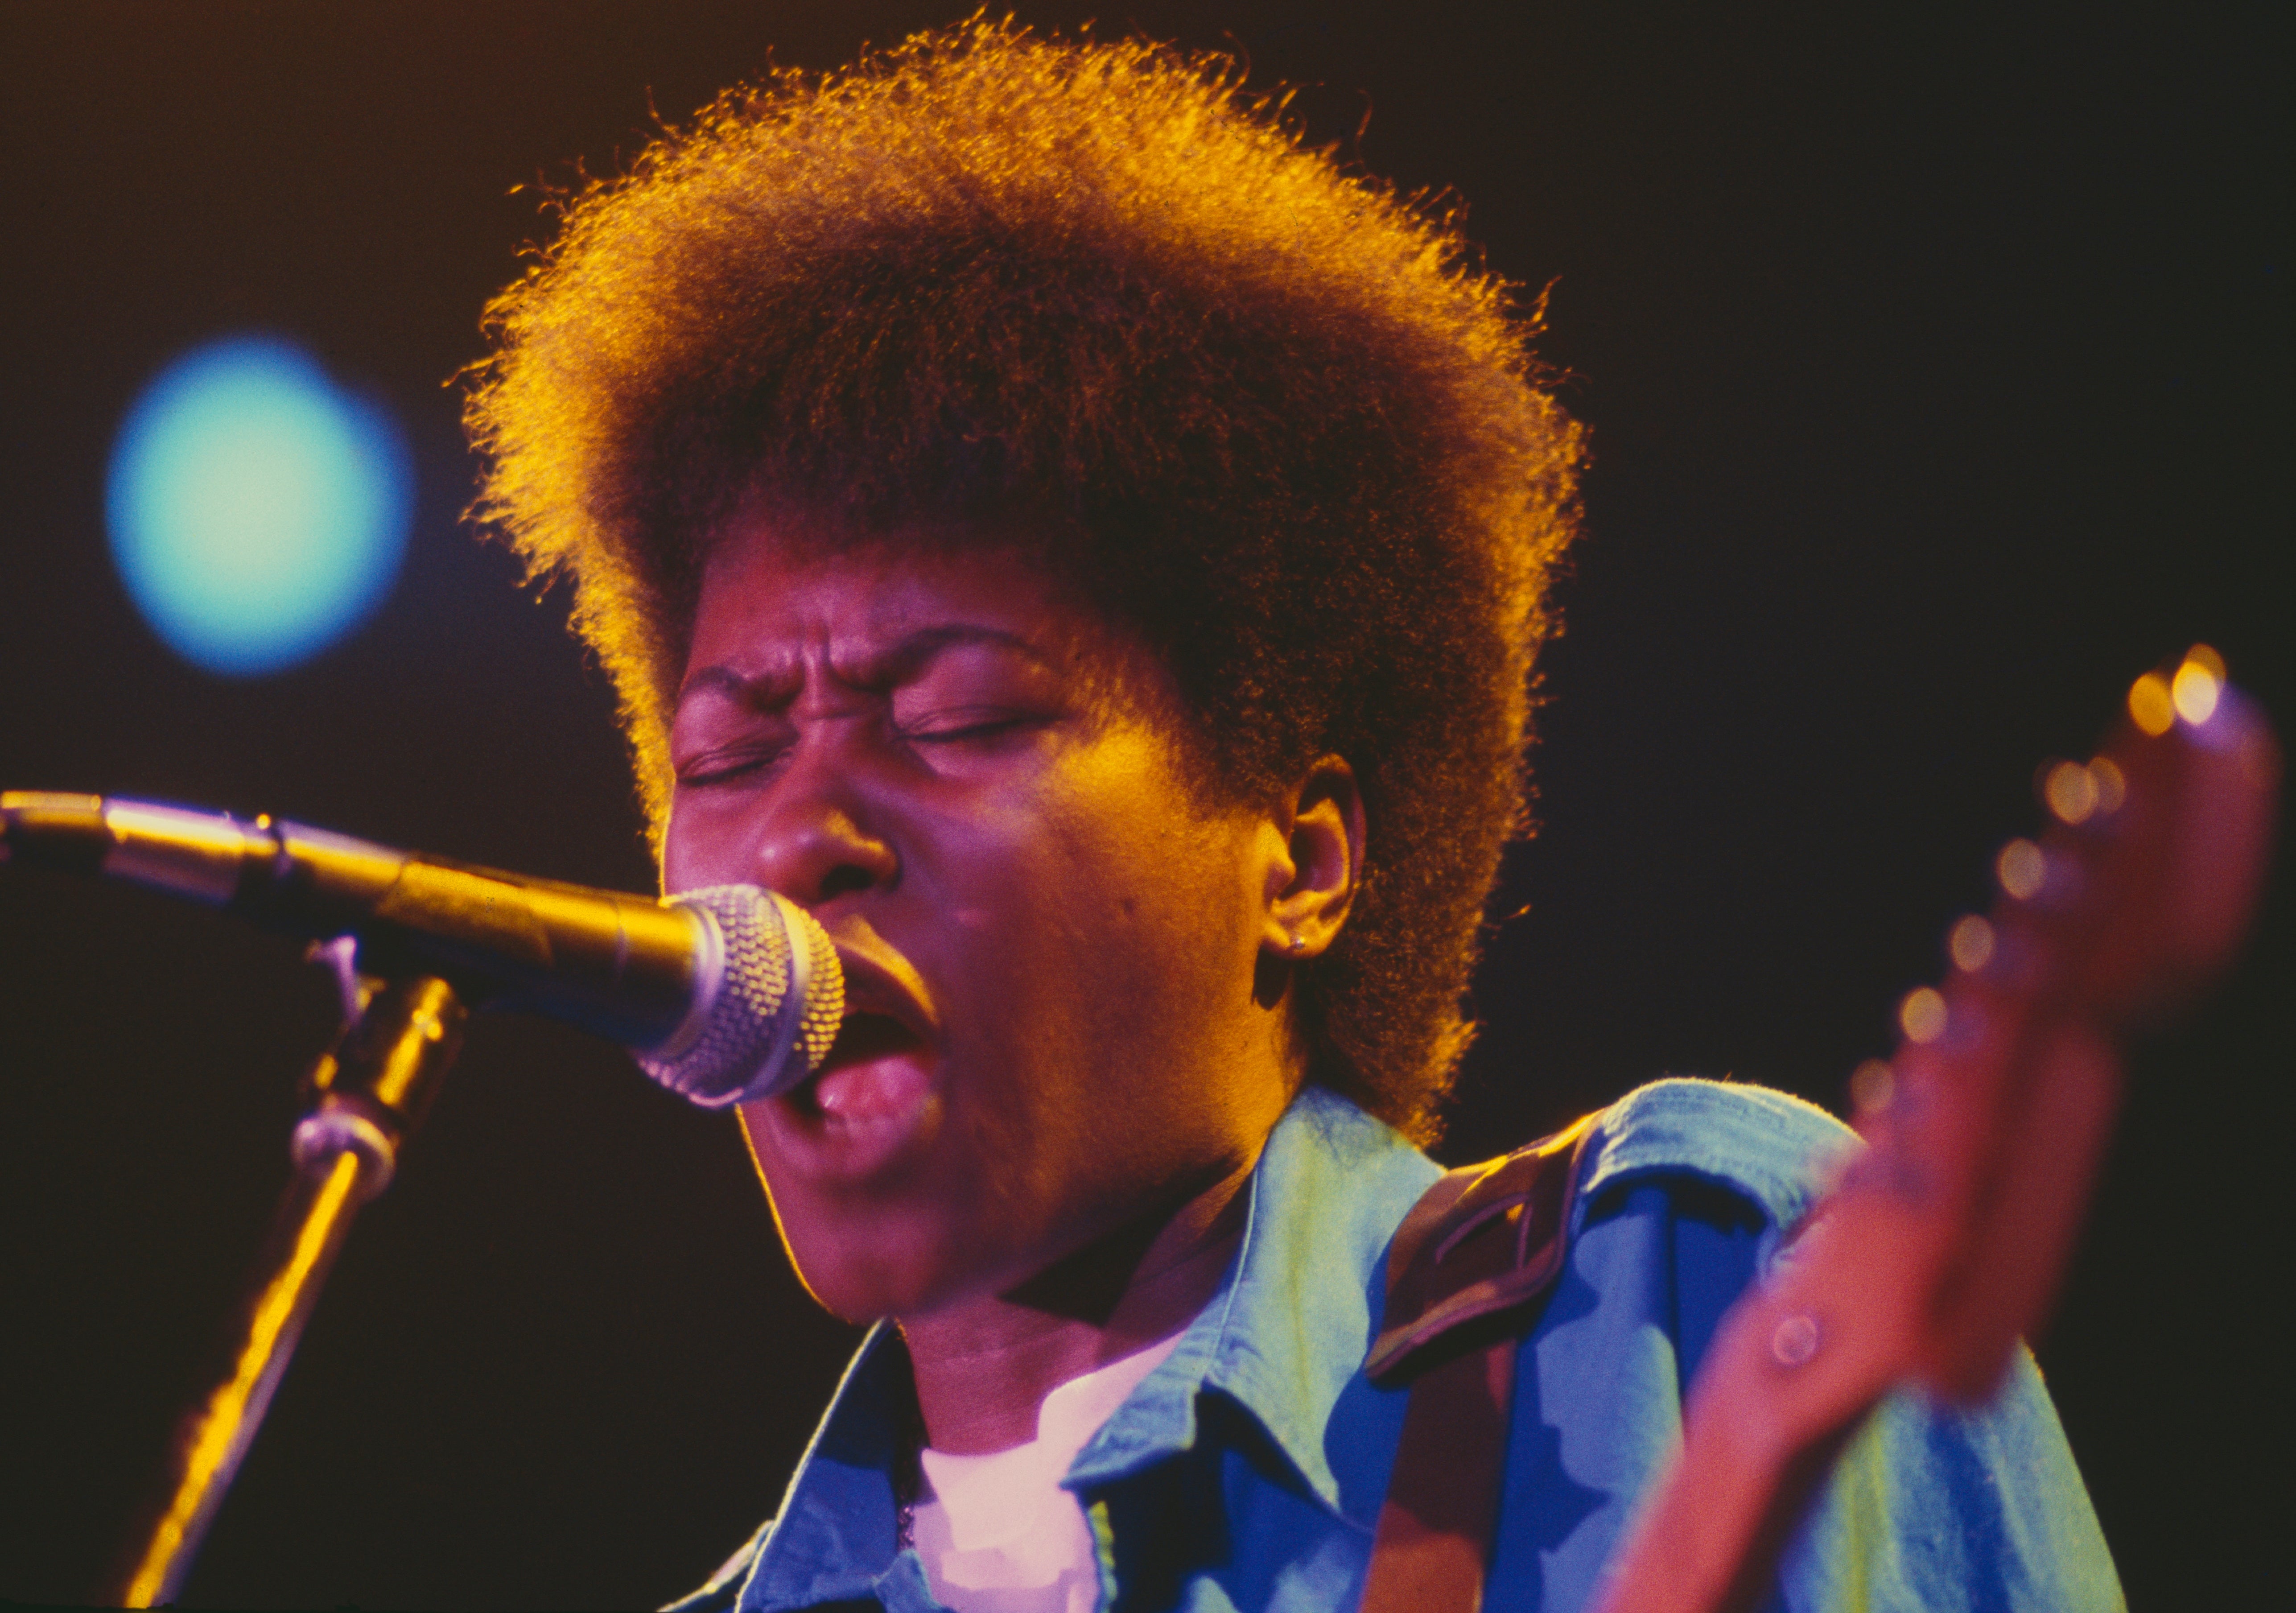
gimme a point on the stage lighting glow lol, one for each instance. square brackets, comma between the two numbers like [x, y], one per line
[2198, 682]
[1971, 943]
[2071, 791]
[257, 511]
[1921, 1016]
[2150, 707]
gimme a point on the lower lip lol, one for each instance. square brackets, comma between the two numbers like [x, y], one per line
[856, 1117]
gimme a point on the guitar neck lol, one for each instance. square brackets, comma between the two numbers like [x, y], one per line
[1943, 1239]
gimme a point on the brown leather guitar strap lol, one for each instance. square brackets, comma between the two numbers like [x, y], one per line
[1466, 1265]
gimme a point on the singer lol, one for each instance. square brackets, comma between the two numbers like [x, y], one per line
[1090, 550]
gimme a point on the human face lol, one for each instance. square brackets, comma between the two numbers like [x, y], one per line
[1049, 943]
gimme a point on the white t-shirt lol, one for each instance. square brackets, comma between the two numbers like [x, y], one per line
[997, 1533]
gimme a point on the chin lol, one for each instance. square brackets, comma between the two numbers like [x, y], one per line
[862, 1288]
[866, 1258]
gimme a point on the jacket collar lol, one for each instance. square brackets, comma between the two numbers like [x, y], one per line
[1284, 1338]
[1287, 1332]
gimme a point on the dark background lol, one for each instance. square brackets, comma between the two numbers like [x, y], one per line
[1939, 373]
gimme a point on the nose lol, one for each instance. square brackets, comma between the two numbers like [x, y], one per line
[813, 849]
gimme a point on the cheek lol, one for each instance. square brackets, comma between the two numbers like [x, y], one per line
[1057, 903]
[714, 837]
[1107, 950]
[689, 849]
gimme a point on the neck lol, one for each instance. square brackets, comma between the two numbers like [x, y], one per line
[983, 1367]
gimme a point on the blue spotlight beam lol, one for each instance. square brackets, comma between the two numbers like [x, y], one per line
[257, 511]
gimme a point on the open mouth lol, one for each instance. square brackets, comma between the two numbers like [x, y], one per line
[872, 1066]
[866, 1036]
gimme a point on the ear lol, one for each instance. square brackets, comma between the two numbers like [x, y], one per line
[1312, 876]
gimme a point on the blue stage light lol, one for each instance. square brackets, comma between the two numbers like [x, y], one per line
[257, 511]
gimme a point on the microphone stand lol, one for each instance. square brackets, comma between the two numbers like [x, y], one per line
[369, 1092]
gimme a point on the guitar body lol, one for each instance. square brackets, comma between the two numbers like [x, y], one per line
[1944, 1240]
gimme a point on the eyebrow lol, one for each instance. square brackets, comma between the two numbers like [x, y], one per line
[901, 660]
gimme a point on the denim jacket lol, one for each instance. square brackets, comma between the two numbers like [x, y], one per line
[1246, 1472]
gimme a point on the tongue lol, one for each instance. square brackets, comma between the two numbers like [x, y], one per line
[872, 1069]
[878, 1089]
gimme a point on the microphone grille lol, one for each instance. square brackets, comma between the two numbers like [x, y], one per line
[768, 1020]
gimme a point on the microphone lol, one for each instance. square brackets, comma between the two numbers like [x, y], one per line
[726, 994]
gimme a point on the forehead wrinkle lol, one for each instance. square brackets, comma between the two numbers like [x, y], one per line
[719, 679]
[871, 668]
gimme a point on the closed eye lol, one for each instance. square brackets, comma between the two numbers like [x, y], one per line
[724, 767]
[950, 727]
